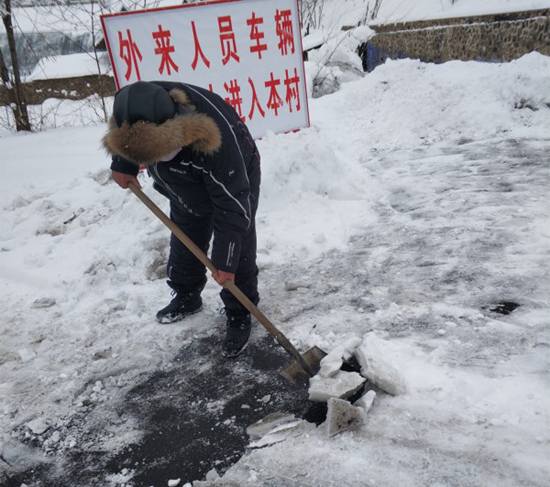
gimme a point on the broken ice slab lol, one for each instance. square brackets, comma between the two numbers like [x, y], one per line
[295, 285]
[21, 457]
[267, 424]
[332, 362]
[342, 385]
[38, 426]
[342, 416]
[374, 357]
[365, 401]
[283, 432]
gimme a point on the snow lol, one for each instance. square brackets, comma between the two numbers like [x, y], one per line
[332, 362]
[366, 401]
[337, 13]
[341, 385]
[282, 432]
[375, 358]
[17, 453]
[70, 66]
[38, 425]
[59, 114]
[416, 202]
[342, 416]
[313, 40]
[269, 423]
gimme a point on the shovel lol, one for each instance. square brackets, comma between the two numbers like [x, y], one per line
[303, 366]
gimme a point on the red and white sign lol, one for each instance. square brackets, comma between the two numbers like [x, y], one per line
[247, 51]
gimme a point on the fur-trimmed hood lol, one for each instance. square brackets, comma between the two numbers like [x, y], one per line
[146, 142]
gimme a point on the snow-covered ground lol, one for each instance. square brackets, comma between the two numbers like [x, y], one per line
[415, 203]
[350, 12]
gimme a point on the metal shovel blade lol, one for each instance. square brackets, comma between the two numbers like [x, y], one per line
[296, 373]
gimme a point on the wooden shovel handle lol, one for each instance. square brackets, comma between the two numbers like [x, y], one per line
[229, 285]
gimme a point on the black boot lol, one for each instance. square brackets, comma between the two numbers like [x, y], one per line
[237, 334]
[181, 306]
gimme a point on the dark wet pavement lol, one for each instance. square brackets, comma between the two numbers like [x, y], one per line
[193, 418]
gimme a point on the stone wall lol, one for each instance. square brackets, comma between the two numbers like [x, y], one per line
[66, 88]
[501, 37]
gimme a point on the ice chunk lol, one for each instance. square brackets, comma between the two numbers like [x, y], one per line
[342, 416]
[365, 401]
[26, 355]
[212, 475]
[20, 456]
[342, 385]
[377, 365]
[270, 422]
[295, 285]
[174, 482]
[38, 426]
[265, 399]
[283, 432]
[331, 364]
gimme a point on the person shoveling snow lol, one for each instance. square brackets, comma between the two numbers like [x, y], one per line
[152, 119]
[204, 160]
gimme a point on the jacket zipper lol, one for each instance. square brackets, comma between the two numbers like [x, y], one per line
[166, 185]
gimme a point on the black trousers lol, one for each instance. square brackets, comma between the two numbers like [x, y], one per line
[187, 275]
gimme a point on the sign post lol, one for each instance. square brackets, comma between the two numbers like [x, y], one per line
[247, 51]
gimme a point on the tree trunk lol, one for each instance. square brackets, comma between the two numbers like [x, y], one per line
[20, 112]
[4, 73]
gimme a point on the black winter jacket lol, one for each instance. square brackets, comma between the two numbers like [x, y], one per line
[216, 173]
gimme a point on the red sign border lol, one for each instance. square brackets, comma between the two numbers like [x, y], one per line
[202, 4]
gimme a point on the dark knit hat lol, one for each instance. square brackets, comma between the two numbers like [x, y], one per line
[143, 101]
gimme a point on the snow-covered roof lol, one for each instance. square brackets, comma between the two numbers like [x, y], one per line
[69, 66]
[315, 39]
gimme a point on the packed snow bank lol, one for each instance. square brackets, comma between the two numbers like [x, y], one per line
[407, 104]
